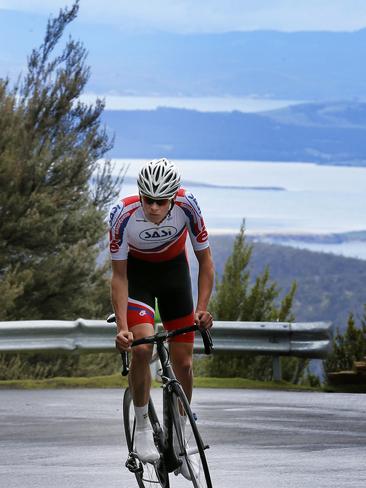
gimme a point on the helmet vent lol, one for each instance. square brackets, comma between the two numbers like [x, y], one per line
[159, 179]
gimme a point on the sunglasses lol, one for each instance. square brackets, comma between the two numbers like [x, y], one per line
[151, 201]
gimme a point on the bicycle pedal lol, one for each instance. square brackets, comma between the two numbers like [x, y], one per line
[132, 466]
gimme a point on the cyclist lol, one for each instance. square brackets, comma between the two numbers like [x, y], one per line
[149, 262]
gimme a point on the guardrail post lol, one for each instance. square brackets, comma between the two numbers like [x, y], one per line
[276, 368]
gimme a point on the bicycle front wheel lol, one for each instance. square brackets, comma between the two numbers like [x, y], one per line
[187, 442]
[147, 475]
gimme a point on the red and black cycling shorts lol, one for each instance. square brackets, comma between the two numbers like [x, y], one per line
[168, 282]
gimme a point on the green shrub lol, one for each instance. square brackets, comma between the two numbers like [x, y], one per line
[50, 365]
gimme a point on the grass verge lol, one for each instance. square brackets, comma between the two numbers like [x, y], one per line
[205, 382]
[117, 381]
[112, 381]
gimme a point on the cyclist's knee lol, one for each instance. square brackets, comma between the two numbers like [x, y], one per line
[182, 357]
[184, 365]
[142, 353]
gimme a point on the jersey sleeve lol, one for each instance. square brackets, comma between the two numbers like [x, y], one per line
[195, 223]
[118, 220]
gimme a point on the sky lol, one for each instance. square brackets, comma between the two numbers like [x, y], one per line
[210, 15]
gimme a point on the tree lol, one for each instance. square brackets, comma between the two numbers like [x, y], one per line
[236, 299]
[347, 347]
[54, 192]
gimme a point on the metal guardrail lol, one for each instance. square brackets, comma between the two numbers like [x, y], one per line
[311, 340]
[57, 335]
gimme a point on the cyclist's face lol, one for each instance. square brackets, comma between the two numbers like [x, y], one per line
[155, 210]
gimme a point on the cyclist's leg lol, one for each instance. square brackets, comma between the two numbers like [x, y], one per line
[180, 347]
[176, 311]
[181, 355]
[140, 383]
[140, 376]
[140, 318]
[147, 475]
[187, 441]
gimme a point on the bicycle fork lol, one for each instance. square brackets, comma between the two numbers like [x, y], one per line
[171, 458]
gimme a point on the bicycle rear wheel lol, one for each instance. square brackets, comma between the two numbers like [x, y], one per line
[187, 439]
[147, 475]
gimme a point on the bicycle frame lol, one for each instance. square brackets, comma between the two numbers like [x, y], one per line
[174, 402]
[172, 462]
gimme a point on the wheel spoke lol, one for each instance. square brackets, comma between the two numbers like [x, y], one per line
[147, 475]
[190, 446]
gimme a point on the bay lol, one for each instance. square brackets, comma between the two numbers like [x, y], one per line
[203, 104]
[277, 200]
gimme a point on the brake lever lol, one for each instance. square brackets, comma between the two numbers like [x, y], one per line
[125, 364]
[207, 341]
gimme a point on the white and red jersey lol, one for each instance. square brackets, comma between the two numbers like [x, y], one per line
[131, 232]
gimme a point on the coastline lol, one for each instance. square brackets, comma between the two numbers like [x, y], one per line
[347, 244]
[333, 237]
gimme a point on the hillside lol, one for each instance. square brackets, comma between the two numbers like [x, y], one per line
[267, 64]
[329, 286]
[328, 133]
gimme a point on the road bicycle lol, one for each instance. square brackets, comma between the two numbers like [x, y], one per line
[177, 437]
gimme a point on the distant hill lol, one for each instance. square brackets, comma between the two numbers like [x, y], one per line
[329, 286]
[289, 65]
[341, 115]
[324, 133]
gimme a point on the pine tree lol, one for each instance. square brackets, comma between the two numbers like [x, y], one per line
[236, 299]
[231, 290]
[347, 347]
[53, 193]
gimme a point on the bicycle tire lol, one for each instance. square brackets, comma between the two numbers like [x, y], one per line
[192, 448]
[147, 475]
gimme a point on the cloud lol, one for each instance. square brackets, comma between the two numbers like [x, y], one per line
[210, 15]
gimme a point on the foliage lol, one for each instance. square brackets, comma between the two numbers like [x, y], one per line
[311, 380]
[107, 381]
[52, 216]
[328, 285]
[347, 347]
[237, 300]
[49, 365]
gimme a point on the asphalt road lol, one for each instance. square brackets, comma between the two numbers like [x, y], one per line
[258, 439]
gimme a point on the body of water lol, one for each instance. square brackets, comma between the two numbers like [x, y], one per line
[203, 104]
[286, 199]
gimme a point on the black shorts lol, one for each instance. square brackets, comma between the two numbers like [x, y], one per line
[168, 282]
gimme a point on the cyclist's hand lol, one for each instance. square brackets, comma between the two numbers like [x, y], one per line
[124, 340]
[203, 319]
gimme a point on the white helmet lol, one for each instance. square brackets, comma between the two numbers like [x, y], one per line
[159, 179]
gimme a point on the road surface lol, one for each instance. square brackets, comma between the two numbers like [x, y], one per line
[258, 439]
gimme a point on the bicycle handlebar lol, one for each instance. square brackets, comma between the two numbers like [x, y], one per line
[163, 336]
